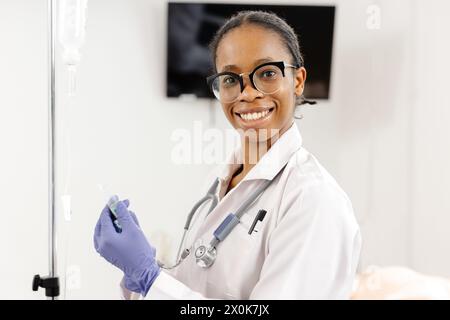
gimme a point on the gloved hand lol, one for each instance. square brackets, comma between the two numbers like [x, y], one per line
[129, 250]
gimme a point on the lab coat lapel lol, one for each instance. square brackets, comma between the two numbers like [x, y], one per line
[266, 169]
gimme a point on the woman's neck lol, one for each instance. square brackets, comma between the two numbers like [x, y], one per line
[252, 153]
[253, 150]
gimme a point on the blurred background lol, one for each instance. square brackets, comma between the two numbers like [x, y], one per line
[378, 69]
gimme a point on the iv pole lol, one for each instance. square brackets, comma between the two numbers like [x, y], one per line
[50, 282]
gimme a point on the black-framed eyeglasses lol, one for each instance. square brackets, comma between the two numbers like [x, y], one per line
[266, 78]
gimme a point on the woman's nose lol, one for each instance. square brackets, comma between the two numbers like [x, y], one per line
[249, 93]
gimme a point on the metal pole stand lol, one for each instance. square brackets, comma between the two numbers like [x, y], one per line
[50, 282]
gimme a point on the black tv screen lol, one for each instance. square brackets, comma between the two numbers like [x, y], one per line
[191, 27]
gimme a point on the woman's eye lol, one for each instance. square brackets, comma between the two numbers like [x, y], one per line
[268, 74]
[228, 81]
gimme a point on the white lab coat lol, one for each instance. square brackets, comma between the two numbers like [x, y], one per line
[307, 247]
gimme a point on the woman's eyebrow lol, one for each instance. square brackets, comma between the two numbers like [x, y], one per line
[230, 67]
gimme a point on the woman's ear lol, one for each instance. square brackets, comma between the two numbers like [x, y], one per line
[300, 78]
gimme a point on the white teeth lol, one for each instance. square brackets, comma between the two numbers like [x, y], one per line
[254, 115]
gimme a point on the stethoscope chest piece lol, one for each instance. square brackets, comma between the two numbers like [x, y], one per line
[205, 257]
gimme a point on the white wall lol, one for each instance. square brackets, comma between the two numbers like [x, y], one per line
[430, 142]
[382, 135]
[23, 164]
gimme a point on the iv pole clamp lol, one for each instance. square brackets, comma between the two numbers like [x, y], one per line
[50, 282]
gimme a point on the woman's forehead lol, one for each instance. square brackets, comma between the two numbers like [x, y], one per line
[245, 47]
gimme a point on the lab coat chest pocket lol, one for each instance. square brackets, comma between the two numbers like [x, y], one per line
[241, 258]
[249, 241]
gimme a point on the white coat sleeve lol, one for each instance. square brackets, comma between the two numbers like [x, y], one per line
[165, 287]
[313, 252]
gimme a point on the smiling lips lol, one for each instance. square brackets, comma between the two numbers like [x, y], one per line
[256, 115]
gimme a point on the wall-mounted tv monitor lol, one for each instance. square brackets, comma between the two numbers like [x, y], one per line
[191, 27]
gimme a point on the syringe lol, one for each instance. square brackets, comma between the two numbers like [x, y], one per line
[111, 202]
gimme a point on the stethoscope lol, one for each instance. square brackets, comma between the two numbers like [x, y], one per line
[205, 255]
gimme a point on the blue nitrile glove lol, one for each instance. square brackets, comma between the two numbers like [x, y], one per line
[129, 250]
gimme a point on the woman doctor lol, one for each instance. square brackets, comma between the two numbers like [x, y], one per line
[307, 244]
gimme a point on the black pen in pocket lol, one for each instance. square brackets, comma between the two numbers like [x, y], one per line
[259, 217]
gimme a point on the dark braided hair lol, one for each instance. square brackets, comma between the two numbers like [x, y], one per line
[268, 20]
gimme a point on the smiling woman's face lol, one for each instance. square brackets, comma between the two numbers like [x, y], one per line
[241, 50]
